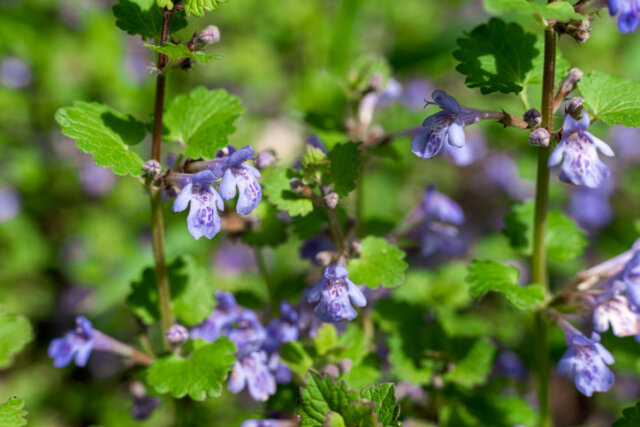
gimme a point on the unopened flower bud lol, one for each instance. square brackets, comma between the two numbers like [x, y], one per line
[296, 185]
[209, 35]
[575, 108]
[265, 159]
[533, 118]
[569, 83]
[356, 246]
[331, 200]
[177, 334]
[345, 365]
[152, 168]
[331, 370]
[540, 137]
[376, 82]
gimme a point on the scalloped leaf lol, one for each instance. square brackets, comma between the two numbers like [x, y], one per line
[105, 133]
[200, 375]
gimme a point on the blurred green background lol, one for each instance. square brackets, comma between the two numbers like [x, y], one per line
[73, 236]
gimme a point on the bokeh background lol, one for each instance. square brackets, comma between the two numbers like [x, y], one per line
[73, 236]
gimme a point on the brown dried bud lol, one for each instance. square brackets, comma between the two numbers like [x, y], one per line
[296, 185]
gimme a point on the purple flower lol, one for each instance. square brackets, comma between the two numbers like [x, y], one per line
[436, 206]
[590, 207]
[440, 217]
[9, 204]
[245, 331]
[334, 295]
[313, 246]
[631, 280]
[283, 329]
[14, 73]
[628, 18]
[203, 218]
[268, 423]
[226, 310]
[581, 164]
[585, 362]
[177, 334]
[252, 371]
[474, 149]
[244, 177]
[503, 173]
[75, 345]
[233, 258]
[444, 126]
[615, 310]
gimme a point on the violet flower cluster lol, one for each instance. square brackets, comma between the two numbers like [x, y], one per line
[257, 368]
[586, 360]
[440, 218]
[231, 169]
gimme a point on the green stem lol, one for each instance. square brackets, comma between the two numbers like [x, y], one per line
[157, 221]
[538, 259]
[262, 266]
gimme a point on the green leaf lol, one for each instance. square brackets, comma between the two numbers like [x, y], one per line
[360, 414]
[198, 7]
[474, 368]
[315, 165]
[15, 334]
[564, 240]
[319, 396]
[500, 411]
[276, 188]
[143, 17]
[326, 339]
[404, 367]
[11, 413]
[496, 57]
[199, 375]
[105, 133]
[352, 344]
[180, 51]
[296, 357]
[345, 163]
[387, 407]
[365, 373]
[333, 419]
[268, 230]
[202, 120]
[613, 100]
[630, 417]
[191, 295]
[535, 75]
[559, 10]
[380, 263]
[485, 276]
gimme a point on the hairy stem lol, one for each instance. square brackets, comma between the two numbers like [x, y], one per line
[157, 221]
[538, 259]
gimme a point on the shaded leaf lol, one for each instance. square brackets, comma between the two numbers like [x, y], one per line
[487, 276]
[474, 368]
[496, 57]
[345, 163]
[144, 18]
[630, 417]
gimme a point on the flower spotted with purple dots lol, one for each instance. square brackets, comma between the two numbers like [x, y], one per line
[244, 177]
[586, 362]
[335, 294]
[581, 165]
[253, 373]
[203, 218]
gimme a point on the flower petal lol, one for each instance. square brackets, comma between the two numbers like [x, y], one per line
[182, 201]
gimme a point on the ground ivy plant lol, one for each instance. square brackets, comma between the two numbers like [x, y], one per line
[364, 330]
